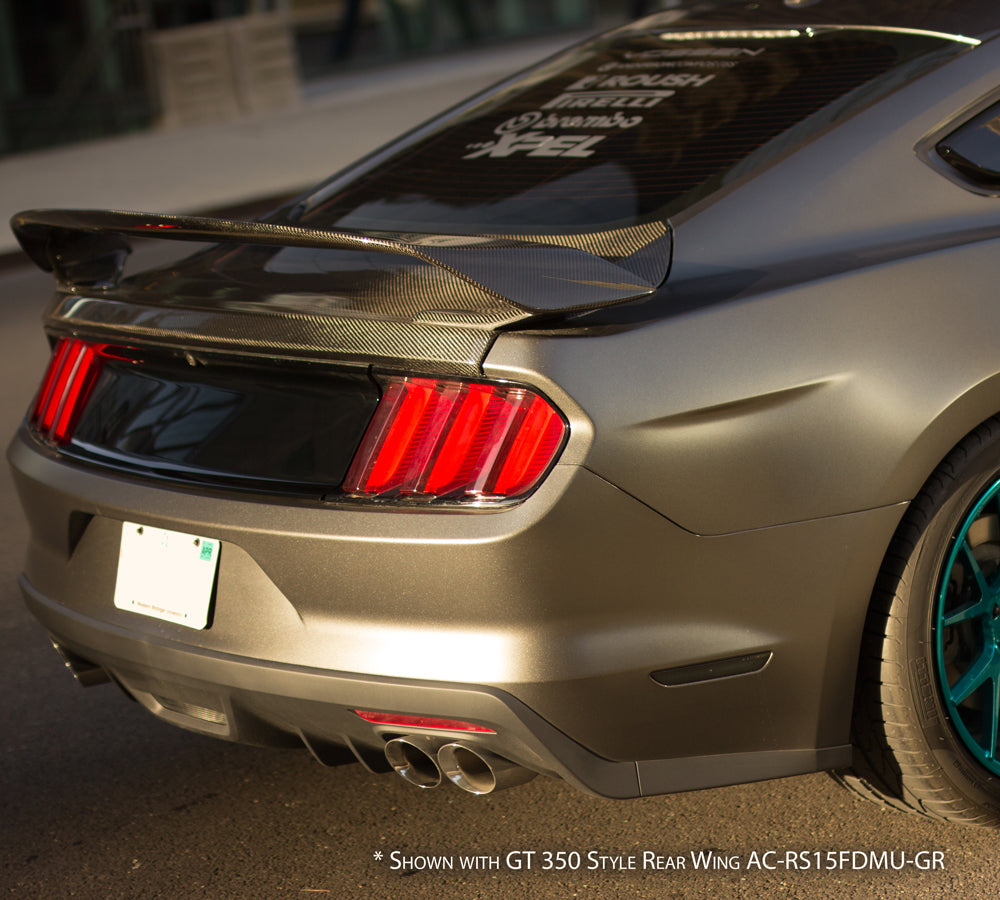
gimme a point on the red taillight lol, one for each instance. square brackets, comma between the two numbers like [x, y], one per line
[437, 439]
[404, 721]
[71, 376]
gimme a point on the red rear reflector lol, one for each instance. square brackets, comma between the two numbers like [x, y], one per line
[421, 722]
[67, 384]
[437, 439]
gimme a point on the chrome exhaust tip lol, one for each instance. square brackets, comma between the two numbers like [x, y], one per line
[84, 671]
[414, 760]
[479, 771]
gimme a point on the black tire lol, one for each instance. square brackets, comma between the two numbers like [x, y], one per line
[911, 752]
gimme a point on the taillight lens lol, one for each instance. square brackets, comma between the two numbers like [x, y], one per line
[72, 373]
[437, 439]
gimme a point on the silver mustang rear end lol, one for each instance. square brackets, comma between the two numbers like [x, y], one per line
[490, 456]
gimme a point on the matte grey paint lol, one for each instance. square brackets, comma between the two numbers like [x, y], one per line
[806, 376]
[688, 601]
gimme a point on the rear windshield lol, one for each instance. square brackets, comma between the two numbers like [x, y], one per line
[624, 130]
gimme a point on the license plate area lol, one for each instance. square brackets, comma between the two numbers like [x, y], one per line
[166, 575]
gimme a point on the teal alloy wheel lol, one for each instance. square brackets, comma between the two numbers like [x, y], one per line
[927, 699]
[967, 630]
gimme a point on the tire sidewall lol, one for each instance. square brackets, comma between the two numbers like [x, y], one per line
[915, 605]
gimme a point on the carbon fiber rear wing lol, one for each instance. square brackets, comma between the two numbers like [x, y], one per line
[535, 274]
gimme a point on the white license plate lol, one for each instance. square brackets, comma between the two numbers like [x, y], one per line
[166, 574]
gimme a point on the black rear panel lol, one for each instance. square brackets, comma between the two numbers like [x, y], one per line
[244, 426]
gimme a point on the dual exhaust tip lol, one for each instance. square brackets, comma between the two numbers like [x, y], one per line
[426, 763]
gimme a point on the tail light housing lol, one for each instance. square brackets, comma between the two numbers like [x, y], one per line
[441, 440]
[73, 370]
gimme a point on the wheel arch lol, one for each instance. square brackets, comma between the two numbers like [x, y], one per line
[899, 763]
[966, 413]
[936, 443]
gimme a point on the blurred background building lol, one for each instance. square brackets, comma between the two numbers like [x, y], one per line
[73, 70]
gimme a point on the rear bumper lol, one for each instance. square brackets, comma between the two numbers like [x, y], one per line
[265, 703]
[542, 622]
[272, 704]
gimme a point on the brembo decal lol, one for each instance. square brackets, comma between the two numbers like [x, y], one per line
[541, 120]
